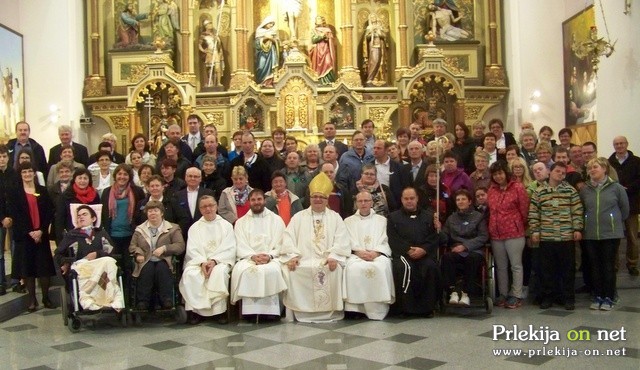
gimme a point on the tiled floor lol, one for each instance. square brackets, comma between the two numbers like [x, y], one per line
[460, 338]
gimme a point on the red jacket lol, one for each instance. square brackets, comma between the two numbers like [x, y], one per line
[508, 211]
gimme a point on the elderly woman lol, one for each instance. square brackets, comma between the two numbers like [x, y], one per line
[172, 210]
[234, 201]
[119, 204]
[102, 174]
[508, 211]
[466, 232]
[80, 191]
[144, 174]
[153, 245]
[66, 155]
[90, 248]
[481, 176]
[311, 162]
[478, 129]
[427, 193]
[383, 201]
[140, 145]
[528, 141]
[212, 178]
[32, 213]
[606, 207]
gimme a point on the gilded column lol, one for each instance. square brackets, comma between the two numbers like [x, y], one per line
[458, 112]
[402, 30]
[348, 73]
[133, 125]
[404, 113]
[241, 77]
[494, 74]
[186, 57]
[94, 84]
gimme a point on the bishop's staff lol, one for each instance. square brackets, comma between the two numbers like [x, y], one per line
[440, 143]
[215, 44]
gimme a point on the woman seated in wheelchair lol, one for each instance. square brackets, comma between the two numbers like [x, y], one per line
[466, 233]
[86, 250]
[153, 245]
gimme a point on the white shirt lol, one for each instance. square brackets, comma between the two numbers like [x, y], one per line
[192, 198]
[384, 171]
[501, 142]
[193, 140]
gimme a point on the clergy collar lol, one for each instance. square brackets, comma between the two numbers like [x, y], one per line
[371, 213]
[411, 213]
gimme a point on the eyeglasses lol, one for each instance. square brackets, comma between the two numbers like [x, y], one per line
[318, 197]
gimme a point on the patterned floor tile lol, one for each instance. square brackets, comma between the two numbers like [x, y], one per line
[628, 309]
[228, 363]
[230, 345]
[71, 346]
[420, 363]
[533, 360]
[338, 362]
[164, 345]
[20, 328]
[283, 355]
[405, 338]
[332, 341]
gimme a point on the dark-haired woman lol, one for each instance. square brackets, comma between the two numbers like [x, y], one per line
[80, 191]
[465, 148]
[140, 145]
[32, 215]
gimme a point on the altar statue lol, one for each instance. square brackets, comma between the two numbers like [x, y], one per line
[266, 51]
[129, 26]
[443, 18]
[323, 52]
[166, 20]
[291, 14]
[211, 49]
[374, 52]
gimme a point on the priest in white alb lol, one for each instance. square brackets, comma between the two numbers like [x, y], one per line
[368, 278]
[211, 253]
[314, 248]
[257, 275]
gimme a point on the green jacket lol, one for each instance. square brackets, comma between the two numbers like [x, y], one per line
[605, 210]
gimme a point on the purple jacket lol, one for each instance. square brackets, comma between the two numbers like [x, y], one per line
[457, 180]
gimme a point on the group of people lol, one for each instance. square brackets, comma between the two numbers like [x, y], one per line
[369, 229]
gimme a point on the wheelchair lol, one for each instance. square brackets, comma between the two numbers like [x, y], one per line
[485, 283]
[177, 310]
[73, 314]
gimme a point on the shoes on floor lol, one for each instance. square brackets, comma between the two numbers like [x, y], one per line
[19, 288]
[607, 304]
[195, 319]
[513, 302]
[545, 304]
[595, 305]
[500, 301]
[222, 319]
[48, 304]
[633, 271]
[3, 290]
[464, 300]
[454, 298]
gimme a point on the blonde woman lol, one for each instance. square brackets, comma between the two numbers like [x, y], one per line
[520, 171]
[234, 201]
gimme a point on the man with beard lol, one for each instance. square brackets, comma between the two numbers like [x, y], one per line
[257, 276]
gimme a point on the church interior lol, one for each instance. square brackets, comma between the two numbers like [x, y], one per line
[138, 66]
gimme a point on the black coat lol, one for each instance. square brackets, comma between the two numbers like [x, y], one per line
[32, 259]
[341, 147]
[183, 202]
[465, 152]
[259, 175]
[413, 229]
[185, 151]
[85, 245]
[629, 177]
[398, 180]
[214, 182]
[9, 185]
[172, 212]
[115, 158]
[80, 154]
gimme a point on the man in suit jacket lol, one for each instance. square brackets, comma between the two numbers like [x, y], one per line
[80, 152]
[329, 131]
[390, 173]
[189, 196]
[194, 137]
[257, 168]
[209, 129]
[23, 141]
[174, 132]
[418, 165]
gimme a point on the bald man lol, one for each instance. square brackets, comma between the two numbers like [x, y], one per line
[188, 197]
[175, 132]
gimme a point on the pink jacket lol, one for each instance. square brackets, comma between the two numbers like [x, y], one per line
[508, 211]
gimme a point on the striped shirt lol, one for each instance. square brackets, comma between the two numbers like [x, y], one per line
[555, 212]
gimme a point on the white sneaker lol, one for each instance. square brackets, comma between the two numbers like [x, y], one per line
[454, 298]
[464, 300]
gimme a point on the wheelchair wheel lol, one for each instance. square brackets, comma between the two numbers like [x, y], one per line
[491, 286]
[181, 314]
[488, 305]
[64, 306]
[74, 324]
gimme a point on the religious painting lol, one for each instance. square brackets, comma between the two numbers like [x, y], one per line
[342, 114]
[579, 76]
[251, 116]
[450, 20]
[12, 89]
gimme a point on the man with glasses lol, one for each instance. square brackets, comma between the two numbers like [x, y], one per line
[314, 249]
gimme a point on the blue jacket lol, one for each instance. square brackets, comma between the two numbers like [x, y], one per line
[605, 210]
[350, 167]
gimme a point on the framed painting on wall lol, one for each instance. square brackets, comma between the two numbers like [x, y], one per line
[12, 89]
[579, 76]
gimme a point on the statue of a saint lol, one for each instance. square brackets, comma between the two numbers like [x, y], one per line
[211, 49]
[266, 51]
[166, 20]
[323, 52]
[374, 52]
[442, 18]
[291, 14]
[129, 26]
